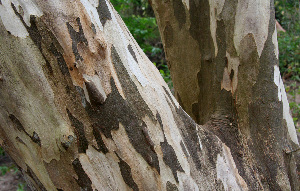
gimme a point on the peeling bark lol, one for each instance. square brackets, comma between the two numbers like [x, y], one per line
[82, 107]
[223, 60]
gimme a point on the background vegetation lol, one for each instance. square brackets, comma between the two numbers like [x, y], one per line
[288, 15]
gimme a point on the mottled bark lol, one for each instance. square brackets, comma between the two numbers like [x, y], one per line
[82, 108]
[223, 58]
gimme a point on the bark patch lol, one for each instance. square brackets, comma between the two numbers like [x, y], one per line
[168, 35]
[35, 137]
[96, 97]
[129, 113]
[170, 158]
[79, 131]
[83, 180]
[171, 187]
[100, 143]
[132, 52]
[77, 37]
[34, 34]
[60, 60]
[127, 175]
[179, 12]
[30, 173]
[93, 28]
[103, 11]
[188, 131]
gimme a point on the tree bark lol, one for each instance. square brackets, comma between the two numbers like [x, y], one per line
[82, 108]
[223, 59]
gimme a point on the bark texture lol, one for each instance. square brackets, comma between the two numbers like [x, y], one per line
[82, 108]
[223, 58]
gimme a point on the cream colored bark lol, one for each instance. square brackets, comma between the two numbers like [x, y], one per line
[223, 58]
[82, 107]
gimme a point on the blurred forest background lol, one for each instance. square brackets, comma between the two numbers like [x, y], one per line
[140, 20]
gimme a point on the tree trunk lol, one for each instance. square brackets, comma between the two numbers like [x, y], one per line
[223, 58]
[82, 108]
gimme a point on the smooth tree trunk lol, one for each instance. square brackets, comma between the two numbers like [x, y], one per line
[82, 108]
[223, 58]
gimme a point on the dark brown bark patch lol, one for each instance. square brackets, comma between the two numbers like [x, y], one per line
[171, 187]
[32, 30]
[188, 131]
[80, 134]
[68, 143]
[96, 97]
[195, 111]
[158, 118]
[35, 138]
[130, 90]
[34, 34]
[231, 74]
[179, 12]
[77, 37]
[200, 27]
[190, 137]
[82, 96]
[132, 52]
[127, 175]
[16, 122]
[129, 113]
[31, 174]
[100, 143]
[170, 158]
[60, 60]
[83, 180]
[103, 11]
[168, 35]
[228, 15]
[93, 28]
[20, 140]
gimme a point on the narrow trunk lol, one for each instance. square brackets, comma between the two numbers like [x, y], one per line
[82, 108]
[223, 58]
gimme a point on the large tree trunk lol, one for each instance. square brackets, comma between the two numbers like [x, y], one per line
[223, 58]
[82, 108]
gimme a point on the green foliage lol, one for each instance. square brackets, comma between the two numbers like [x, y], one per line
[165, 73]
[287, 14]
[294, 90]
[145, 31]
[2, 153]
[4, 169]
[21, 187]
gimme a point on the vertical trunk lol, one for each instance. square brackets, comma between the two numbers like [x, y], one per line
[82, 108]
[223, 58]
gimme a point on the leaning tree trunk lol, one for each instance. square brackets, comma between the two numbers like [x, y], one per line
[223, 58]
[82, 108]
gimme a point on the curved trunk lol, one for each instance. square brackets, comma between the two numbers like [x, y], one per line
[82, 108]
[223, 58]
